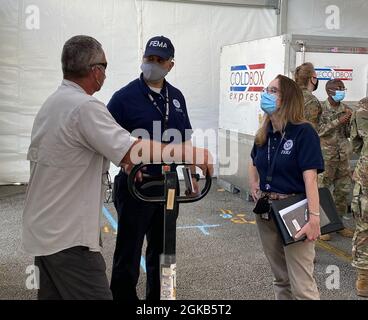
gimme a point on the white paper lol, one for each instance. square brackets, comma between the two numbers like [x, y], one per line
[293, 207]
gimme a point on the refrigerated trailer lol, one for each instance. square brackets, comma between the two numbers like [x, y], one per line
[247, 67]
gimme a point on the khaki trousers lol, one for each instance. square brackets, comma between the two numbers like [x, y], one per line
[292, 265]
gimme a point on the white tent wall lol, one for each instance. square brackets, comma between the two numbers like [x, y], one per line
[32, 34]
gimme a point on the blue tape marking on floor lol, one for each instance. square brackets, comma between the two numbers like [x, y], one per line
[143, 264]
[201, 227]
[113, 223]
[110, 218]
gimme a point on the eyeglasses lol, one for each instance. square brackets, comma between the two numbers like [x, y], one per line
[272, 90]
[106, 181]
[103, 64]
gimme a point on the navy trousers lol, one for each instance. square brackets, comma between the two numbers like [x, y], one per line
[136, 220]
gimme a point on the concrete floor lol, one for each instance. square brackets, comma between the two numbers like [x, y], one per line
[219, 255]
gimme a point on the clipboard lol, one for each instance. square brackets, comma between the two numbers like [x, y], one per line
[330, 220]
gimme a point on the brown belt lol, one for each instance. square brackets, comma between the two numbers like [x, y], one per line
[276, 196]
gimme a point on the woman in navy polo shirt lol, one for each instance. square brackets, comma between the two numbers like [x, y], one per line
[289, 141]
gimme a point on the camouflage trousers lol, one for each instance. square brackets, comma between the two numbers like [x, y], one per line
[359, 207]
[337, 177]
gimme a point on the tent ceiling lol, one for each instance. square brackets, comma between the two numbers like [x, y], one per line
[239, 3]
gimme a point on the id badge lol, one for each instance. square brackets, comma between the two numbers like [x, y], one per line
[165, 137]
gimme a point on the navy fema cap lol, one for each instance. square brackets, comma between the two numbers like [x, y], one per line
[159, 46]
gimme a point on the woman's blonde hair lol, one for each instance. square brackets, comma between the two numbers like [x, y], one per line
[290, 110]
[303, 73]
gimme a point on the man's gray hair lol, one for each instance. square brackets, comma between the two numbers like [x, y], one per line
[79, 54]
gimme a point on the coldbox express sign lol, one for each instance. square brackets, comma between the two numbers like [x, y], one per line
[246, 82]
[334, 73]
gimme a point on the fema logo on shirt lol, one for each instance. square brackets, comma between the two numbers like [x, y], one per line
[176, 103]
[288, 145]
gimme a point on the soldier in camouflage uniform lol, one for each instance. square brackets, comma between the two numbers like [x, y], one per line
[334, 131]
[359, 205]
[306, 78]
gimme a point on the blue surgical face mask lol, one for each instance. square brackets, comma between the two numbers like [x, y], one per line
[153, 72]
[268, 102]
[339, 95]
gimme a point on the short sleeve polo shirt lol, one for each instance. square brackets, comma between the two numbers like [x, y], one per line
[297, 151]
[73, 137]
[132, 108]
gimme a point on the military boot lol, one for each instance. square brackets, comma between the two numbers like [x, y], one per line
[362, 283]
[325, 237]
[347, 233]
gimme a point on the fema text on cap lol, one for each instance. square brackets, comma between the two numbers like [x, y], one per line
[156, 43]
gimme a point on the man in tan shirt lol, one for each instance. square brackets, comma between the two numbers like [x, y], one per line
[74, 138]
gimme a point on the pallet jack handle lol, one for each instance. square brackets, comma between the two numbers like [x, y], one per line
[161, 199]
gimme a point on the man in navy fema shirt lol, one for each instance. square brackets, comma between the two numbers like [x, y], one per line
[152, 104]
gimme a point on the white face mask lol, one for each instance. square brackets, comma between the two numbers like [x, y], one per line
[153, 72]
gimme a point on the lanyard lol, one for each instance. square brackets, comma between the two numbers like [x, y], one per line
[271, 166]
[166, 117]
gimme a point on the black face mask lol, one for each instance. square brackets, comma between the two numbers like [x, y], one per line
[315, 85]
